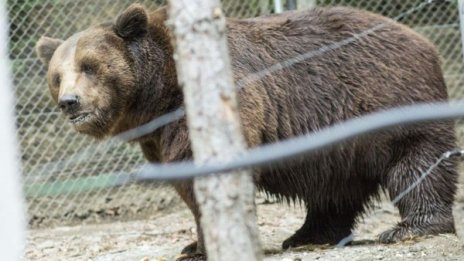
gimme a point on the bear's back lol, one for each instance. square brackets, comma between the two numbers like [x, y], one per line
[320, 66]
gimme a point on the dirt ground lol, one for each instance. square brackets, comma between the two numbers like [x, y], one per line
[162, 236]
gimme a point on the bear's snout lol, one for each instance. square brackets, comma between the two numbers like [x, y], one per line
[69, 103]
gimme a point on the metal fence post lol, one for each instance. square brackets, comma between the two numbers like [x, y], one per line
[278, 7]
[11, 209]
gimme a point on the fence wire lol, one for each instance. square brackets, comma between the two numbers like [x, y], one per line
[63, 171]
[268, 154]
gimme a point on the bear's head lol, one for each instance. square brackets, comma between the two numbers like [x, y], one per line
[108, 78]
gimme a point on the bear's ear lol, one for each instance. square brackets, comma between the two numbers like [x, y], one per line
[45, 48]
[132, 23]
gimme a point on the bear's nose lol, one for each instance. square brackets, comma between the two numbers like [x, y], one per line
[68, 103]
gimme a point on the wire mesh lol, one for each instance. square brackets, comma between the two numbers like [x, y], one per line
[63, 171]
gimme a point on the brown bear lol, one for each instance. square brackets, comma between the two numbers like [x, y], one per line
[116, 76]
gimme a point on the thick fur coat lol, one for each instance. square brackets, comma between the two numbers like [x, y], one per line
[117, 76]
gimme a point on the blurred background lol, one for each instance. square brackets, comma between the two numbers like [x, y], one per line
[65, 174]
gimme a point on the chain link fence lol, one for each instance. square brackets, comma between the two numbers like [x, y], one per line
[64, 172]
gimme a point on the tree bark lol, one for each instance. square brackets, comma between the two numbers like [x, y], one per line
[203, 65]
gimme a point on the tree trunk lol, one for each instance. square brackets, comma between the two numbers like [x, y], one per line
[226, 201]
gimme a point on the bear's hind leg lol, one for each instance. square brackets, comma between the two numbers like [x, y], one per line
[427, 208]
[333, 214]
[328, 227]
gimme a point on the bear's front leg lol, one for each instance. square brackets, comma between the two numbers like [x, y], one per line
[196, 250]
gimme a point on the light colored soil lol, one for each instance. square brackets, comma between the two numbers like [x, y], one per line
[164, 237]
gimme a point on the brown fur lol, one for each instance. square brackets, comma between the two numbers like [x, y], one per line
[134, 77]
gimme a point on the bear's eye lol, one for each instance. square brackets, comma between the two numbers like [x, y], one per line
[56, 80]
[87, 68]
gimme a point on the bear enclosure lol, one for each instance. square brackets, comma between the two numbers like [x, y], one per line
[65, 175]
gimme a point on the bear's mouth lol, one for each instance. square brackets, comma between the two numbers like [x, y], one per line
[79, 118]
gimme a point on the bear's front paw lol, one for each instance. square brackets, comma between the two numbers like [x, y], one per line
[190, 248]
[295, 241]
[191, 257]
